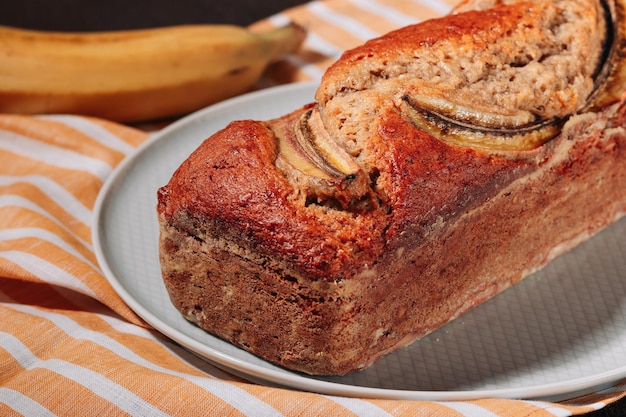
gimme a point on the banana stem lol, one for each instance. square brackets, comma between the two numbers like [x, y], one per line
[283, 40]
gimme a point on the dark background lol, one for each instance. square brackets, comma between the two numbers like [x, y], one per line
[90, 15]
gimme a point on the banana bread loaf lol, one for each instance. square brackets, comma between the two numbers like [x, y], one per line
[437, 166]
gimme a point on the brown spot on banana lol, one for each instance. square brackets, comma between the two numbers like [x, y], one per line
[237, 71]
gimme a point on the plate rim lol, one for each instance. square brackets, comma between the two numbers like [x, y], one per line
[284, 378]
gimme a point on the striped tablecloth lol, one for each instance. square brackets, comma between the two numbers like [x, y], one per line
[70, 346]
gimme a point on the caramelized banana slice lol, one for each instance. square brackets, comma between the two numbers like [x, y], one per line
[589, 74]
[479, 128]
[322, 173]
[611, 79]
[311, 150]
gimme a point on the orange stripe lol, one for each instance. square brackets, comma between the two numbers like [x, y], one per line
[366, 18]
[284, 72]
[46, 296]
[39, 384]
[9, 367]
[52, 391]
[106, 295]
[148, 349]
[83, 185]
[503, 407]
[17, 216]
[407, 408]
[8, 412]
[606, 398]
[130, 135]
[60, 135]
[297, 403]
[57, 256]
[419, 11]
[164, 391]
[340, 37]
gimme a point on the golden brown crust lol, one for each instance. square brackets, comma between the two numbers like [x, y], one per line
[324, 274]
[231, 188]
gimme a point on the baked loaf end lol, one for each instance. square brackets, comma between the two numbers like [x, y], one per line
[439, 165]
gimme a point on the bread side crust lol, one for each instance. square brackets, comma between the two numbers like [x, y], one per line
[433, 267]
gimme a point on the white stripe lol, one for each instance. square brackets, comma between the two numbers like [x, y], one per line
[322, 46]
[23, 404]
[83, 302]
[122, 326]
[279, 19]
[17, 201]
[46, 271]
[52, 155]
[398, 18]
[105, 388]
[359, 407]
[183, 354]
[435, 5]
[313, 42]
[597, 405]
[18, 350]
[341, 20]
[43, 234]
[56, 192]
[245, 402]
[92, 130]
[468, 409]
[313, 72]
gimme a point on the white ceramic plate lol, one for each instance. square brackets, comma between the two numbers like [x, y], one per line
[558, 333]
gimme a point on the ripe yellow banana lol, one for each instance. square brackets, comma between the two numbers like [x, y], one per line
[134, 75]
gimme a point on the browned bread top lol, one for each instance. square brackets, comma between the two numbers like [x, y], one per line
[538, 56]
[404, 182]
[233, 189]
[506, 67]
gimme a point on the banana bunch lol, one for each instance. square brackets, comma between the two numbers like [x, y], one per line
[134, 75]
